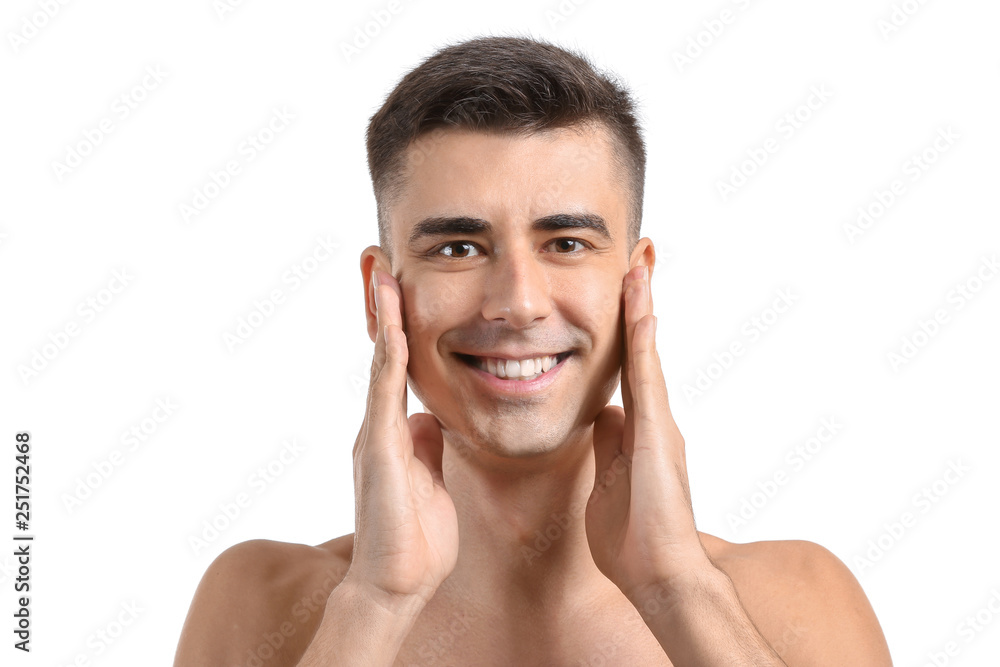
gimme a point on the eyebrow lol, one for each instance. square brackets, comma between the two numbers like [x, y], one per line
[458, 225]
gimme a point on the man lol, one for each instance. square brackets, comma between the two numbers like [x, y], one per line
[521, 520]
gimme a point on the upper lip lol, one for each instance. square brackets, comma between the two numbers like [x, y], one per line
[513, 355]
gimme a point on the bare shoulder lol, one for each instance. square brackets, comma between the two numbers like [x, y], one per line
[263, 598]
[804, 600]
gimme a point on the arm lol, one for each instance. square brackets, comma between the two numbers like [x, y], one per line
[251, 602]
[361, 627]
[641, 530]
[808, 607]
[406, 527]
[698, 619]
[405, 543]
[246, 592]
[639, 521]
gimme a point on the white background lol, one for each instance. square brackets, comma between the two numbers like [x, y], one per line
[302, 374]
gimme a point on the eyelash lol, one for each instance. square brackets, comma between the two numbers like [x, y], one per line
[436, 252]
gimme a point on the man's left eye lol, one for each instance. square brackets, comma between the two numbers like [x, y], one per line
[561, 245]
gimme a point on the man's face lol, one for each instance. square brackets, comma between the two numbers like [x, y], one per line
[494, 265]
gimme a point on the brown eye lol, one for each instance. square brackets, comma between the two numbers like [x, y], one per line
[561, 246]
[455, 244]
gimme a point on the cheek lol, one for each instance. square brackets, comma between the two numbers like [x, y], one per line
[610, 327]
[431, 307]
[595, 306]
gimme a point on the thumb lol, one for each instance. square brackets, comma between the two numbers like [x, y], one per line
[609, 427]
[428, 443]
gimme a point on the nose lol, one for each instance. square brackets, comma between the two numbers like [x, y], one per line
[517, 289]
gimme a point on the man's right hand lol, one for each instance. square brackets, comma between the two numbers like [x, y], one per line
[406, 528]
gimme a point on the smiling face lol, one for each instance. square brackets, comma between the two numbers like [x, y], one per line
[512, 249]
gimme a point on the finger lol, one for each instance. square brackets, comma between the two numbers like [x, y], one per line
[383, 314]
[378, 361]
[389, 302]
[628, 318]
[390, 280]
[649, 391]
[388, 305]
[386, 409]
[647, 384]
[386, 388]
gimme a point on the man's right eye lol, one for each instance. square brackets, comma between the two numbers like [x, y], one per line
[451, 246]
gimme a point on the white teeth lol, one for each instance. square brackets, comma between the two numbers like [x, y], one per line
[524, 369]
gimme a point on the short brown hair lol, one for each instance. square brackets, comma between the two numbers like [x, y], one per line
[515, 85]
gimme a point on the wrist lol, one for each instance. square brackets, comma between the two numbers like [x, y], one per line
[382, 602]
[673, 593]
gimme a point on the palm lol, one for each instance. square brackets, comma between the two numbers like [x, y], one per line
[639, 522]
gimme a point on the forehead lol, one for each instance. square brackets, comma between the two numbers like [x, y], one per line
[511, 180]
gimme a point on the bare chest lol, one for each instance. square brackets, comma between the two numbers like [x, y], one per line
[468, 636]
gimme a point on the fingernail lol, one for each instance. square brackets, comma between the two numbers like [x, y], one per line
[645, 273]
[375, 287]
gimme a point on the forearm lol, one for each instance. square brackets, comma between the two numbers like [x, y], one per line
[699, 621]
[359, 628]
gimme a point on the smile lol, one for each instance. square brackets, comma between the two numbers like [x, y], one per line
[522, 370]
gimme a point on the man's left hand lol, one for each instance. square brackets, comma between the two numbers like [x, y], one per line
[639, 520]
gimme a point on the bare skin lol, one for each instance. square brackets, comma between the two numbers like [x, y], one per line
[805, 602]
[577, 538]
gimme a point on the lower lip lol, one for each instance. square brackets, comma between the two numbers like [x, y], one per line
[518, 387]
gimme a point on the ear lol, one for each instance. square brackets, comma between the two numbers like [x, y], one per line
[644, 254]
[372, 258]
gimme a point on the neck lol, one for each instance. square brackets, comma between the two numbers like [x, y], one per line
[523, 542]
